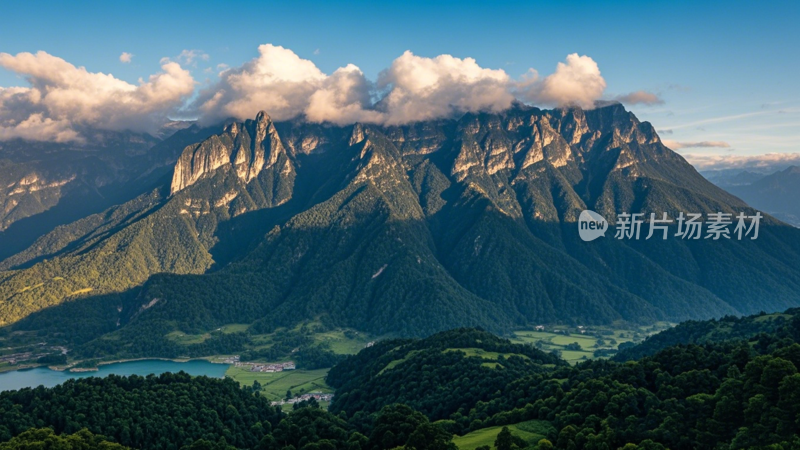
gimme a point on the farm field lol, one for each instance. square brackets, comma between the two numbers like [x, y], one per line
[577, 344]
[532, 431]
[275, 385]
[343, 342]
[189, 339]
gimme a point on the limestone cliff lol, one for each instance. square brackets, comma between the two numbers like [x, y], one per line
[250, 148]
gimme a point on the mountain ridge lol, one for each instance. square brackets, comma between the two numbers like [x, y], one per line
[413, 229]
[775, 193]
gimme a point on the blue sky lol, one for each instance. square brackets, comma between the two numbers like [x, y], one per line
[726, 71]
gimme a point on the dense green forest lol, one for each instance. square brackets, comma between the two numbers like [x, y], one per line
[706, 331]
[181, 412]
[46, 438]
[438, 376]
[738, 393]
[741, 392]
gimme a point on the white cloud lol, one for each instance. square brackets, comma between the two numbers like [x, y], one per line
[415, 88]
[705, 162]
[640, 98]
[343, 98]
[576, 82]
[426, 88]
[62, 98]
[277, 81]
[36, 127]
[125, 57]
[675, 145]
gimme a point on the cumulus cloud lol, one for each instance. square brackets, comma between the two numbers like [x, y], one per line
[575, 82]
[36, 127]
[426, 88]
[277, 81]
[706, 162]
[675, 145]
[126, 57]
[413, 88]
[343, 98]
[62, 98]
[640, 98]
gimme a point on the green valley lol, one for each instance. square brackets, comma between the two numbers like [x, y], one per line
[439, 390]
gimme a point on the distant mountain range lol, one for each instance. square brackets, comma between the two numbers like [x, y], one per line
[46, 184]
[775, 193]
[402, 229]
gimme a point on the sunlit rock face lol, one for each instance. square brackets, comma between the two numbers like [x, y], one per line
[250, 147]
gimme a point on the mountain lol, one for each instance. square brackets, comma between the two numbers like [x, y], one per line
[401, 229]
[728, 178]
[46, 184]
[775, 194]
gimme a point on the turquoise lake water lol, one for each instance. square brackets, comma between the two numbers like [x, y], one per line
[19, 379]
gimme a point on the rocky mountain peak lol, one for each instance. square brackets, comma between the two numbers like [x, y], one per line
[357, 135]
[250, 147]
[263, 117]
[793, 170]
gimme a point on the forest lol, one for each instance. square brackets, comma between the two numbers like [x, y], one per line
[735, 390]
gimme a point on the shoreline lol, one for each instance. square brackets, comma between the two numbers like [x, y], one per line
[72, 369]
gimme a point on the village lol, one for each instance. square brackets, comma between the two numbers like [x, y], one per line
[15, 358]
[261, 367]
[31, 355]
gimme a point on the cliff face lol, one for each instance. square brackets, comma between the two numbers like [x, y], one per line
[250, 148]
[595, 155]
[25, 192]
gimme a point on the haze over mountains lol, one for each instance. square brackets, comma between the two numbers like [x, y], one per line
[399, 229]
[46, 184]
[774, 192]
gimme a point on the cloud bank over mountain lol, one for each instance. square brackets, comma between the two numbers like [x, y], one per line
[707, 162]
[677, 145]
[63, 98]
[640, 98]
[412, 88]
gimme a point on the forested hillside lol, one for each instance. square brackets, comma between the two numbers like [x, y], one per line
[733, 394]
[710, 331]
[419, 394]
[466, 366]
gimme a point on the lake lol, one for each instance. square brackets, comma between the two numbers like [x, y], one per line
[19, 379]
